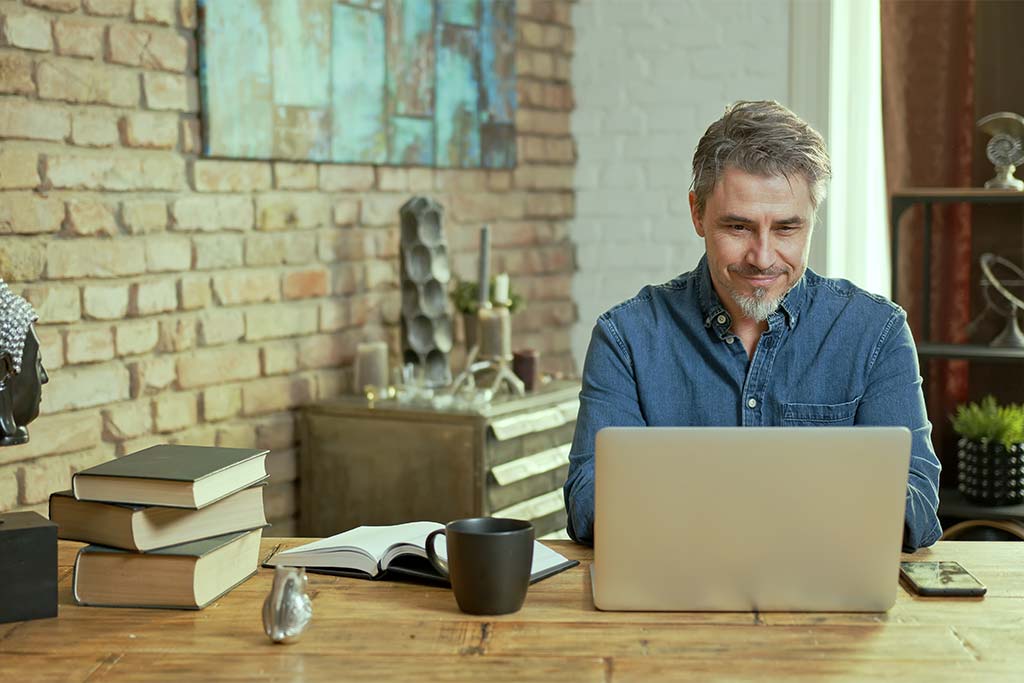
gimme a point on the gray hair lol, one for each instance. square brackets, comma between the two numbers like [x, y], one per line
[762, 138]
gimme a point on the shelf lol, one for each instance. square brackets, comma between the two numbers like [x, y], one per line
[969, 352]
[953, 504]
[956, 194]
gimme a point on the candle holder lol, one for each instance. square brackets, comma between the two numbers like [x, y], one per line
[492, 352]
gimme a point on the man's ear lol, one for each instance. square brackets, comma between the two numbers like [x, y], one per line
[698, 224]
[6, 365]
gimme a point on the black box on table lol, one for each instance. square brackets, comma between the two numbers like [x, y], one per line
[28, 567]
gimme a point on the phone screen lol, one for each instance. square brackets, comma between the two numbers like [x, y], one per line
[940, 578]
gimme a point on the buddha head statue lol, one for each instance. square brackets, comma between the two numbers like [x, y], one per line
[21, 368]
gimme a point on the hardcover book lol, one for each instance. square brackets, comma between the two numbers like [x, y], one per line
[186, 576]
[147, 527]
[375, 552]
[172, 475]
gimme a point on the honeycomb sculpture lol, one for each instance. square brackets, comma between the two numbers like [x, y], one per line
[426, 322]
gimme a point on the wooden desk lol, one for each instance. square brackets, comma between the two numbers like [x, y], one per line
[377, 631]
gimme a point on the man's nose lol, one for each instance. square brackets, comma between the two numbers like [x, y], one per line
[761, 253]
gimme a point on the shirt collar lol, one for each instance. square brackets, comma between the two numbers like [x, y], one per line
[717, 317]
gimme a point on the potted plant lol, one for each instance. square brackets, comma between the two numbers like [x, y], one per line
[466, 295]
[990, 457]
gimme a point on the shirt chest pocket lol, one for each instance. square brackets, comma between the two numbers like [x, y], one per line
[819, 414]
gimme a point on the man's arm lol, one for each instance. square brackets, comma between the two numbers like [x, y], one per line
[893, 397]
[608, 397]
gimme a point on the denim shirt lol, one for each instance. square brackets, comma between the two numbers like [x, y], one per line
[833, 354]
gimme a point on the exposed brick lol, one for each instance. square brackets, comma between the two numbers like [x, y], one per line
[27, 30]
[88, 385]
[381, 209]
[33, 121]
[155, 11]
[168, 254]
[21, 260]
[194, 292]
[187, 14]
[65, 433]
[41, 477]
[29, 213]
[334, 178]
[392, 179]
[144, 215]
[154, 296]
[54, 303]
[462, 181]
[544, 177]
[346, 212]
[166, 91]
[51, 346]
[191, 136]
[471, 208]
[89, 345]
[105, 302]
[275, 432]
[303, 284]
[334, 315]
[145, 441]
[213, 366]
[291, 211]
[172, 412]
[279, 358]
[543, 122]
[94, 258]
[78, 38]
[230, 176]
[177, 334]
[150, 129]
[16, 74]
[277, 248]
[236, 435]
[55, 5]
[153, 172]
[94, 129]
[381, 275]
[221, 402]
[271, 322]
[77, 81]
[148, 48]
[276, 394]
[153, 374]
[213, 213]
[127, 421]
[217, 251]
[136, 336]
[288, 176]
[550, 204]
[108, 8]
[325, 350]
[221, 326]
[246, 287]
[91, 217]
[499, 181]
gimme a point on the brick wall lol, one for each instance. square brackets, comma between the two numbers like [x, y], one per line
[200, 301]
[649, 77]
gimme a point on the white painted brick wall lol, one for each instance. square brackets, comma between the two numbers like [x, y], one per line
[649, 76]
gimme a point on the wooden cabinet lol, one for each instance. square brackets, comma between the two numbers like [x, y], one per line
[391, 463]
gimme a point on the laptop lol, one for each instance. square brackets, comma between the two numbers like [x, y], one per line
[749, 518]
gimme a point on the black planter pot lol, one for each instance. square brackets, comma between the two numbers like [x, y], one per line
[990, 473]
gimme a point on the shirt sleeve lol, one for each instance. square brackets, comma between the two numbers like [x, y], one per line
[608, 397]
[893, 397]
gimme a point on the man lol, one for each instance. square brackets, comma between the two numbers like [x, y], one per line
[751, 337]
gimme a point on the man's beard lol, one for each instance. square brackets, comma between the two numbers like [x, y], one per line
[758, 306]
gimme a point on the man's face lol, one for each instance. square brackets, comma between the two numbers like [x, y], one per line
[757, 234]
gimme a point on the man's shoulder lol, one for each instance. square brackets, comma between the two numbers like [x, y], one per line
[650, 298]
[841, 294]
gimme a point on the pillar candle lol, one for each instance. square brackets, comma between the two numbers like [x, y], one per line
[485, 267]
[495, 333]
[371, 366]
[501, 288]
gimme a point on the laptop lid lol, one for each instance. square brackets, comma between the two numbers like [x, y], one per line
[749, 518]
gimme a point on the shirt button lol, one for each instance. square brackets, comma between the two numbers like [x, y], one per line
[752, 402]
[721, 320]
[730, 340]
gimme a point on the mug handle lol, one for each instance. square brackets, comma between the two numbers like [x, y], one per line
[439, 564]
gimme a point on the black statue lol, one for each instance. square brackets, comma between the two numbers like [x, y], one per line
[21, 368]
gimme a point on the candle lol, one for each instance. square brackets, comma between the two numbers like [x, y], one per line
[371, 371]
[495, 333]
[526, 365]
[501, 288]
[485, 265]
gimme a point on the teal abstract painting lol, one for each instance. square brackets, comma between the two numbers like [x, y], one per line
[401, 82]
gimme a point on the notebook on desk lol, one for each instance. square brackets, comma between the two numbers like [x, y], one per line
[749, 519]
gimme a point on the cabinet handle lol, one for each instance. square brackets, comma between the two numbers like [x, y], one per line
[528, 423]
[538, 463]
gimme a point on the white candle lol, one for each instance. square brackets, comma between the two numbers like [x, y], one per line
[371, 369]
[501, 288]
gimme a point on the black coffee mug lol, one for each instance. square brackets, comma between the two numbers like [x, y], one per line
[489, 561]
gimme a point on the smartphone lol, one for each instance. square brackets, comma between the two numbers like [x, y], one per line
[940, 579]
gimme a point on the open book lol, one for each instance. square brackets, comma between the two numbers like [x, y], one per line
[377, 551]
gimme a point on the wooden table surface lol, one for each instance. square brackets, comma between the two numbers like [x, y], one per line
[380, 631]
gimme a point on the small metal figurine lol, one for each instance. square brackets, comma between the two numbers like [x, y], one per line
[287, 611]
[21, 368]
[1005, 149]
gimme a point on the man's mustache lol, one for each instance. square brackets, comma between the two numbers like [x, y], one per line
[750, 271]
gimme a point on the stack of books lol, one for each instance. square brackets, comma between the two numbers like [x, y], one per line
[171, 526]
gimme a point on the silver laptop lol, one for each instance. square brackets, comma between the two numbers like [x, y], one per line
[749, 518]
